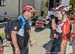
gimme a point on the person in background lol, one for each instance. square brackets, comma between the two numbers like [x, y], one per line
[72, 36]
[71, 8]
[72, 17]
[56, 34]
[65, 31]
[34, 18]
[57, 28]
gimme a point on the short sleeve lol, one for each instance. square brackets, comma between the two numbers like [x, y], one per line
[15, 26]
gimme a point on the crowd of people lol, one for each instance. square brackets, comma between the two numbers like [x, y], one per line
[62, 31]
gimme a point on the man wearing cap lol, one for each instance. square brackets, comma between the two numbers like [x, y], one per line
[20, 31]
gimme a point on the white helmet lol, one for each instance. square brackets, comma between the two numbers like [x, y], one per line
[61, 8]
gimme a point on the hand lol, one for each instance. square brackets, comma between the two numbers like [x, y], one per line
[11, 42]
[31, 44]
[56, 36]
[17, 51]
[72, 35]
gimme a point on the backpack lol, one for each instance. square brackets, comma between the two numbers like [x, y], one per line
[8, 29]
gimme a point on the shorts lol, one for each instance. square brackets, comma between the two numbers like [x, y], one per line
[65, 38]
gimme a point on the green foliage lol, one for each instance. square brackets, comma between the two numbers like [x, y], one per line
[73, 2]
[2, 33]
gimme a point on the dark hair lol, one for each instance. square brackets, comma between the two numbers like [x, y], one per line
[23, 12]
[72, 5]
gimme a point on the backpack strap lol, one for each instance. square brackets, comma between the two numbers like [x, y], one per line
[24, 22]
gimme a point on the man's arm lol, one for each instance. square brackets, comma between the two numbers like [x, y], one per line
[14, 39]
[14, 30]
[54, 26]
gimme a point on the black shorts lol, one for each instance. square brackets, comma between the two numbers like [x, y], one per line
[22, 41]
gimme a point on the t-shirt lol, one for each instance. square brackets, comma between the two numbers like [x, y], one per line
[22, 34]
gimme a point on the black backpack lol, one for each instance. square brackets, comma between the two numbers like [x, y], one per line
[8, 29]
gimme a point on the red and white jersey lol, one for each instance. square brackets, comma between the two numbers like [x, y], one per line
[66, 29]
